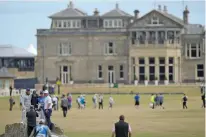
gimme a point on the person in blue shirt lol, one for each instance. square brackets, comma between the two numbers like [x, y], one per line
[41, 130]
[41, 105]
[137, 100]
[82, 101]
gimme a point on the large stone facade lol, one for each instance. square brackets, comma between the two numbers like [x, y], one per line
[116, 47]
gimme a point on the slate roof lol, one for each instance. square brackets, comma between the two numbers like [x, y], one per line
[11, 51]
[175, 18]
[5, 74]
[70, 11]
[194, 29]
[116, 13]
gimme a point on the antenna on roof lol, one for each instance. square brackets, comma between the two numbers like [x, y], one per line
[155, 2]
[183, 5]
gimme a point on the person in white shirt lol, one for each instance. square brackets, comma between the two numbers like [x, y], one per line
[111, 102]
[94, 100]
[55, 102]
[26, 103]
[48, 108]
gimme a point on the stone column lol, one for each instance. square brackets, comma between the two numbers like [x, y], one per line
[137, 67]
[190, 51]
[146, 40]
[167, 67]
[130, 69]
[147, 67]
[176, 68]
[156, 37]
[157, 67]
[165, 35]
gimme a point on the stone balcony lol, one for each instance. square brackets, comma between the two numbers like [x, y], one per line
[172, 43]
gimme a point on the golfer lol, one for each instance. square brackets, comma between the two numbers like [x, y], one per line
[121, 128]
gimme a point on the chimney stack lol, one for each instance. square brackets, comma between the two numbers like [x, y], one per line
[136, 14]
[159, 8]
[186, 15]
[117, 5]
[165, 9]
[71, 5]
[96, 12]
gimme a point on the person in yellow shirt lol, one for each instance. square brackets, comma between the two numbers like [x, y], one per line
[152, 99]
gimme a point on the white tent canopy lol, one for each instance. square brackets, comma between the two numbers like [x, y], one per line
[32, 49]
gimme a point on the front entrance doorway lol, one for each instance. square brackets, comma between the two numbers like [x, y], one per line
[64, 74]
[111, 74]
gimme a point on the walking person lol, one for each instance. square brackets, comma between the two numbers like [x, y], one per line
[11, 103]
[26, 103]
[94, 100]
[101, 101]
[157, 100]
[203, 100]
[34, 99]
[152, 99]
[10, 90]
[55, 102]
[184, 101]
[111, 102]
[48, 108]
[64, 105]
[137, 100]
[121, 128]
[41, 105]
[78, 100]
[161, 100]
[41, 130]
[31, 119]
[69, 101]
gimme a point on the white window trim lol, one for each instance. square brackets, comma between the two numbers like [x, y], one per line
[106, 48]
[121, 71]
[99, 78]
[199, 70]
[67, 26]
[118, 25]
[188, 45]
[63, 46]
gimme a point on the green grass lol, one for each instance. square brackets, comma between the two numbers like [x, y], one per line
[145, 122]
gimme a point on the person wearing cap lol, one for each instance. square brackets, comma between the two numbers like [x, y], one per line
[47, 108]
[121, 128]
[41, 130]
[41, 105]
[26, 103]
[31, 119]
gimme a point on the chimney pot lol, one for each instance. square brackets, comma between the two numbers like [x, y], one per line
[159, 7]
[165, 8]
[136, 13]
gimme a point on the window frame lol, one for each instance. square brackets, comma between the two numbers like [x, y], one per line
[197, 70]
[65, 49]
[107, 48]
[189, 50]
[99, 71]
[121, 72]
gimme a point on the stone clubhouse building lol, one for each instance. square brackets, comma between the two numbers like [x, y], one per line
[116, 47]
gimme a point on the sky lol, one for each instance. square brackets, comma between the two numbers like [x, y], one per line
[19, 20]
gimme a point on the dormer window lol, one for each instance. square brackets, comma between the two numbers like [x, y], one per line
[113, 23]
[67, 24]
